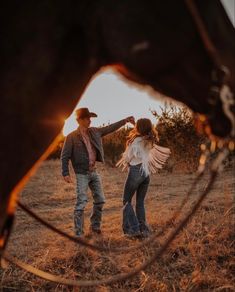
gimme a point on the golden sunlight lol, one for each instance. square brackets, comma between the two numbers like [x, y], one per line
[113, 98]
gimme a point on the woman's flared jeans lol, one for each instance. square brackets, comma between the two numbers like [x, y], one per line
[137, 182]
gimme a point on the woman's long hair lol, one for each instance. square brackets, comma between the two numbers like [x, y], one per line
[143, 128]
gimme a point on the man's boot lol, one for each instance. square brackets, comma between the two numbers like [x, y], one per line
[79, 222]
[96, 217]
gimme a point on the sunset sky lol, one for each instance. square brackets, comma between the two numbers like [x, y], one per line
[112, 98]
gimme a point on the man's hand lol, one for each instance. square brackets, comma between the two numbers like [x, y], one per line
[130, 120]
[68, 179]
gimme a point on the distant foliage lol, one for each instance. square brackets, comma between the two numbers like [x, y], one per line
[176, 130]
[114, 145]
[56, 153]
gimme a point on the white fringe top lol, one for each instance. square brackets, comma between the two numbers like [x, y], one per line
[139, 151]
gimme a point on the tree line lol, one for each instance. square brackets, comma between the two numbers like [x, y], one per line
[175, 126]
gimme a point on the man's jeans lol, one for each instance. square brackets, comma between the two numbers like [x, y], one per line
[137, 182]
[93, 181]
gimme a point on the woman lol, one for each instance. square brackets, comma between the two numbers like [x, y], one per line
[143, 156]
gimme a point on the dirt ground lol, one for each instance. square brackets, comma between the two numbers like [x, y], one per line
[201, 258]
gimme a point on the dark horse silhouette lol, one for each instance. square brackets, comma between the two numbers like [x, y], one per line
[50, 50]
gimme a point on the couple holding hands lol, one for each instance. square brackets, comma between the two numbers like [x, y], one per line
[142, 156]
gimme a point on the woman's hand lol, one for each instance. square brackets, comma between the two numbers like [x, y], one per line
[131, 120]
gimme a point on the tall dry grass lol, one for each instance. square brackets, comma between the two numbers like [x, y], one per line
[200, 259]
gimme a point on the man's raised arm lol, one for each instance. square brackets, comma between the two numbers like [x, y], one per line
[115, 126]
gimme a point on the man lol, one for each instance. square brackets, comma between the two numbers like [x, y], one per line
[84, 147]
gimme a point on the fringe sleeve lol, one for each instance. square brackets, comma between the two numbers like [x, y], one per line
[152, 157]
[157, 157]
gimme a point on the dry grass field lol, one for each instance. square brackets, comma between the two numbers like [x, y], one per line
[200, 259]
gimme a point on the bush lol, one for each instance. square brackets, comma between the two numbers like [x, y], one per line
[176, 131]
[114, 145]
[57, 151]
